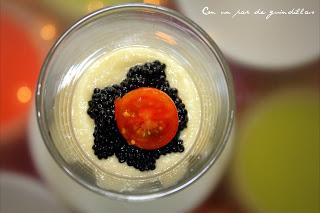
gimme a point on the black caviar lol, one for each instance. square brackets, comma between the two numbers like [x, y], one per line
[108, 140]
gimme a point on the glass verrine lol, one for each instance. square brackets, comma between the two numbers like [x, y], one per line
[135, 25]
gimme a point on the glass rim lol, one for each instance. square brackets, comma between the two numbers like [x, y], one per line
[42, 123]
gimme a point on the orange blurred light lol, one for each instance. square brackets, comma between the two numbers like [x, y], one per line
[166, 38]
[94, 5]
[158, 2]
[48, 32]
[24, 94]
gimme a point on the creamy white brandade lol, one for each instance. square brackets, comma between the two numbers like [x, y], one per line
[111, 69]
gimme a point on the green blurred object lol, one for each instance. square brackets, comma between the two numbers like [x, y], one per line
[73, 9]
[276, 165]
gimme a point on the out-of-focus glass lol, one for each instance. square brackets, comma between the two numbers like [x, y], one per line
[276, 164]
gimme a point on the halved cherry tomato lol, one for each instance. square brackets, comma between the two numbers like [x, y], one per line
[147, 118]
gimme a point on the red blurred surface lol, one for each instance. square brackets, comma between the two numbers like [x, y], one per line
[19, 68]
[20, 64]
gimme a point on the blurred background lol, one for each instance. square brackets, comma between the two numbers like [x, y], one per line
[275, 64]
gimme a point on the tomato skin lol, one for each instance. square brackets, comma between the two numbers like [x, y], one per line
[147, 118]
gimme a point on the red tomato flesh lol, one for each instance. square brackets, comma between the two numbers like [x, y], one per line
[146, 118]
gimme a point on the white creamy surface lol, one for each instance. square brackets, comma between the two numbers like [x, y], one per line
[110, 69]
